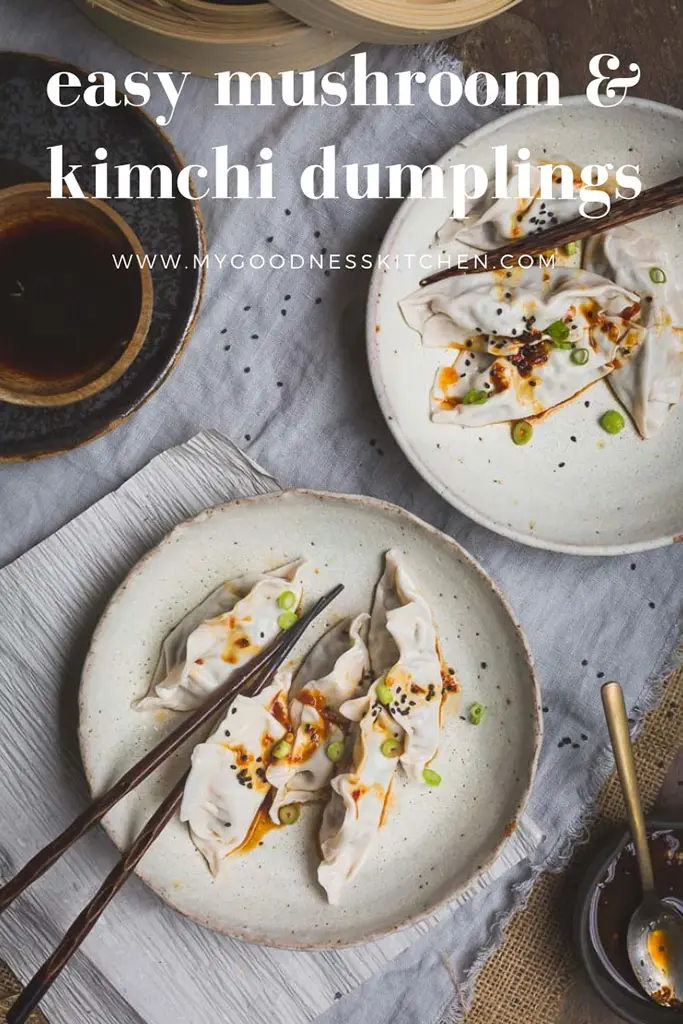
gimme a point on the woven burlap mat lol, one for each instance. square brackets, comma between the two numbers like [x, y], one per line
[535, 966]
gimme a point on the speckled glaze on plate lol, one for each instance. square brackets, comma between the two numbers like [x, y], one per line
[436, 840]
[29, 124]
[574, 488]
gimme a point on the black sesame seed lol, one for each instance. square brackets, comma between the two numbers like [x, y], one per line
[652, 604]
[247, 369]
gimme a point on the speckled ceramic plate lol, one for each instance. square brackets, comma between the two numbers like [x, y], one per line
[435, 841]
[574, 488]
[29, 124]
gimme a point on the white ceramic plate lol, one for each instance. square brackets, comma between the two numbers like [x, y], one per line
[435, 841]
[574, 488]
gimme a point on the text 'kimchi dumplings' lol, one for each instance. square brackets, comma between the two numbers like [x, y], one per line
[226, 631]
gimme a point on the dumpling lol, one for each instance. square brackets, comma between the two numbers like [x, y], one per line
[335, 671]
[229, 628]
[404, 653]
[227, 782]
[651, 383]
[517, 338]
[360, 794]
[493, 311]
[413, 682]
[492, 222]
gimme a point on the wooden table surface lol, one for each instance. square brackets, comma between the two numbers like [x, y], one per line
[562, 36]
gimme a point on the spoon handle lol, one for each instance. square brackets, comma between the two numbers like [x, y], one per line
[617, 723]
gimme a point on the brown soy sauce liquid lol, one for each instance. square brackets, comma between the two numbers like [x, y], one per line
[65, 310]
[619, 895]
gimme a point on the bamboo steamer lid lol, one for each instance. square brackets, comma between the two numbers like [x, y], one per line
[395, 21]
[204, 37]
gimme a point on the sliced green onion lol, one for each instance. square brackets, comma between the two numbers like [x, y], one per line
[281, 750]
[657, 275]
[612, 421]
[335, 751]
[558, 332]
[287, 620]
[289, 814]
[392, 748]
[431, 777]
[287, 600]
[580, 356]
[384, 694]
[476, 713]
[475, 397]
[522, 432]
[571, 248]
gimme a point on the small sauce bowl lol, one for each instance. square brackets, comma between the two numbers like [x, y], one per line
[608, 894]
[71, 322]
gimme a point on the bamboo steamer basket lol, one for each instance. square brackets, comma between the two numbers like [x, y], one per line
[204, 37]
[395, 21]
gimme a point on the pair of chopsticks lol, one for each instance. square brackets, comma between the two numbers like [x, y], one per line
[652, 200]
[250, 680]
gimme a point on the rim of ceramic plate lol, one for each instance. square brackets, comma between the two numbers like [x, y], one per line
[88, 754]
[388, 410]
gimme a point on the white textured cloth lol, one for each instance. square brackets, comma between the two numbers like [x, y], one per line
[586, 619]
[48, 597]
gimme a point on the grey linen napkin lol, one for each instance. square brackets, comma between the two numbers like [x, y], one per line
[141, 954]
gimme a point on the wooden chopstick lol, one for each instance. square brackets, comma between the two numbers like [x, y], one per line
[652, 200]
[86, 920]
[268, 660]
[259, 673]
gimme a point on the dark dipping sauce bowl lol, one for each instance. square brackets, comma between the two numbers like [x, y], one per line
[71, 322]
[608, 894]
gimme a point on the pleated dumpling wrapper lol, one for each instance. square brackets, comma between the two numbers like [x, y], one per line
[360, 793]
[651, 383]
[527, 340]
[404, 637]
[227, 783]
[336, 670]
[492, 222]
[402, 644]
[226, 631]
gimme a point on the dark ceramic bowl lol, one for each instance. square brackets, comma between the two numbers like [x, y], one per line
[630, 1007]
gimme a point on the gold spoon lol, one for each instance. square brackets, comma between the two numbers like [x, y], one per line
[655, 932]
